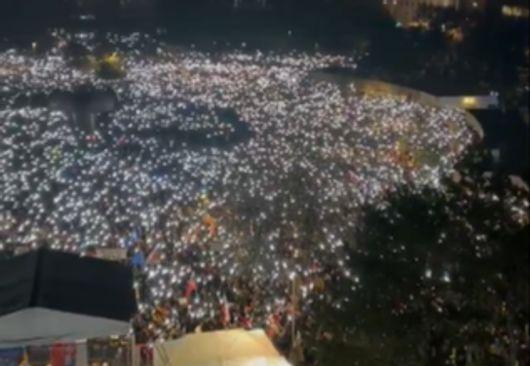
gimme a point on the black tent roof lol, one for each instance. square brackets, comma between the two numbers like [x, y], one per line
[67, 283]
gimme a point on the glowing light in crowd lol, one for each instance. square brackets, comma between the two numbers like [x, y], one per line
[198, 203]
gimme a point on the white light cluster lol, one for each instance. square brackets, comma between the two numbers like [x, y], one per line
[269, 209]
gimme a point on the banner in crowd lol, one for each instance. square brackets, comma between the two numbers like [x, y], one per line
[11, 356]
[63, 355]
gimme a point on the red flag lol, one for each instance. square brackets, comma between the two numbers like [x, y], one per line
[191, 287]
[62, 355]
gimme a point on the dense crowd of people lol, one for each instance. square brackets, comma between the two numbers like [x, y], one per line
[232, 179]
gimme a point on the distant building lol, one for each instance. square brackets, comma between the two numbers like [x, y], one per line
[410, 13]
[515, 9]
[471, 102]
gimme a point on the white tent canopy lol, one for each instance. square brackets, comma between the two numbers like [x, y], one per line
[48, 297]
[223, 348]
[38, 326]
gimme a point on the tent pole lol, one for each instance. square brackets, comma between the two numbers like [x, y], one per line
[132, 358]
[293, 327]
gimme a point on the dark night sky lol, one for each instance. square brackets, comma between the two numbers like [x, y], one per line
[47, 10]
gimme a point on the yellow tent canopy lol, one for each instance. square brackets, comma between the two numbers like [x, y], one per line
[223, 348]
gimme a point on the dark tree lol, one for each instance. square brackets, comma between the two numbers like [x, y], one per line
[441, 278]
